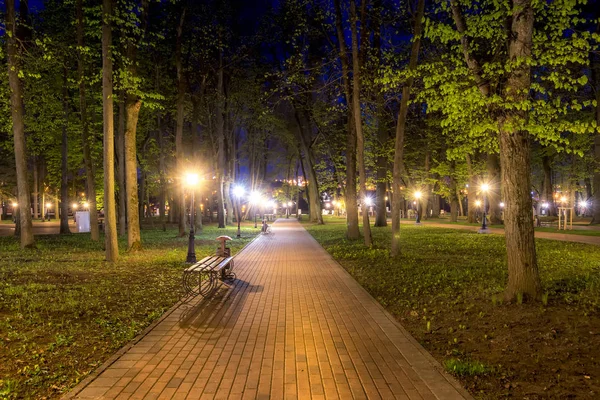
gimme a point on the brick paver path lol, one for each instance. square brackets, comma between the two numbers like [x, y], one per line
[294, 325]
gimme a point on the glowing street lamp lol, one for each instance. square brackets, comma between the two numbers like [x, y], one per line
[238, 191]
[48, 205]
[484, 189]
[418, 198]
[255, 198]
[191, 180]
[74, 206]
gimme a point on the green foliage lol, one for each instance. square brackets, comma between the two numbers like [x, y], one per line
[465, 368]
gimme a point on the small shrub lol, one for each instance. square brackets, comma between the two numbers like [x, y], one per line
[465, 368]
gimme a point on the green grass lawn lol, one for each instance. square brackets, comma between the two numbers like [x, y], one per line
[64, 310]
[446, 289]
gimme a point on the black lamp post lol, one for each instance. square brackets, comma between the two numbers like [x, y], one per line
[418, 197]
[238, 191]
[484, 229]
[191, 180]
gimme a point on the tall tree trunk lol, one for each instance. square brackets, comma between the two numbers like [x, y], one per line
[110, 218]
[134, 241]
[85, 130]
[493, 194]
[398, 171]
[454, 200]
[548, 189]
[314, 198]
[17, 113]
[360, 137]
[121, 175]
[220, 132]
[596, 81]
[64, 182]
[352, 231]
[179, 125]
[36, 189]
[523, 275]
[472, 192]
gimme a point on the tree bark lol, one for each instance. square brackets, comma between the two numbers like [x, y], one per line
[352, 231]
[110, 218]
[523, 275]
[17, 114]
[64, 182]
[493, 194]
[220, 132]
[121, 175]
[134, 241]
[596, 81]
[471, 192]
[36, 189]
[179, 124]
[360, 137]
[85, 132]
[398, 170]
[454, 200]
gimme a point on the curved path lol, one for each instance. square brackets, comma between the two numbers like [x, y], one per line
[293, 325]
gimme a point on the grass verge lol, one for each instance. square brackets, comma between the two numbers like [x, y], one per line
[446, 288]
[64, 310]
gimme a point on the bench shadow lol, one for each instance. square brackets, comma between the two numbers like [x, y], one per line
[206, 312]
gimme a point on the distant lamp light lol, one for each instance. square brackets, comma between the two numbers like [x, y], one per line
[48, 205]
[75, 205]
[502, 204]
[327, 205]
[255, 197]
[290, 203]
[238, 191]
[191, 179]
[485, 187]
[583, 204]
[368, 201]
[563, 199]
[86, 204]
[15, 205]
[478, 203]
[544, 205]
[418, 195]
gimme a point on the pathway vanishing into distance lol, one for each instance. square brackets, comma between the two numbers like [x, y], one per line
[294, 325]
[563, 237]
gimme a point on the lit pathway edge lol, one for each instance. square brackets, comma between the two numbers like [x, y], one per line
[293, 325]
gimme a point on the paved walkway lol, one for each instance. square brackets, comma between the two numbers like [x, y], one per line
[294, 325]
[563, 237]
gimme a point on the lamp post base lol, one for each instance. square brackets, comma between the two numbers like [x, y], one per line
[191, 256]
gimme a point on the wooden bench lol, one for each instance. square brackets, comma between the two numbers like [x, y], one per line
[547, 222]
[202, 277]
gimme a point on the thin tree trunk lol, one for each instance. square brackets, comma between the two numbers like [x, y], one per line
[493, 195]
[17, 113]
[85, 132]
[134, 241]
[121, 174]
[179, 127]
[64, 182]
[471, 192]
[220, 131]
[454, 200]
[398, 171]
[36, 190]
[110, 218]
[360, 137]
[352, 231]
